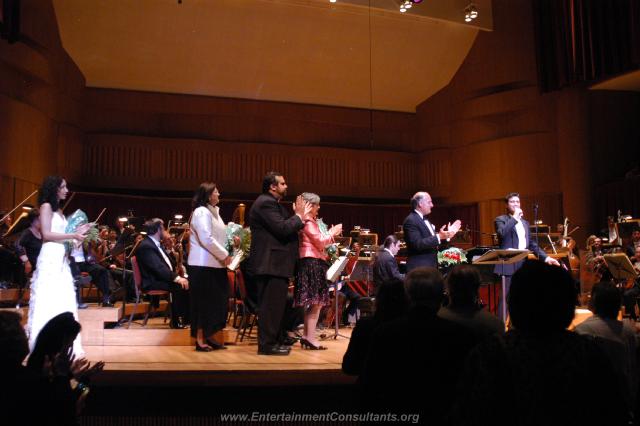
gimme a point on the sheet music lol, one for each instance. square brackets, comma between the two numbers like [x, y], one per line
[334, 271]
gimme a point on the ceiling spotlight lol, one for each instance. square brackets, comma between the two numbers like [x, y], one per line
[405, 5]
[332, 1]
[470, 12]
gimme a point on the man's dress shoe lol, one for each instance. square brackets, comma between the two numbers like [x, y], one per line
[177, 323]
[274, 350]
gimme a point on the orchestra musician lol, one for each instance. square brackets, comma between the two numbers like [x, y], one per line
[83, 260]
[633, 244]
[385, 267]
[159, 274]
[632, 288]
[10, 267]
[595, 258]
[30, 242]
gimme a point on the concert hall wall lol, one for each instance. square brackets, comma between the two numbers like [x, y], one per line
[40, 101]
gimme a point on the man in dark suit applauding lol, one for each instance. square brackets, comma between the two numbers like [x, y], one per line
[158, 272]
[420, 234]
[272, 260]
[513, 233]
[385, 267]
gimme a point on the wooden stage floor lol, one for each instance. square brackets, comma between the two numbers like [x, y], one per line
[239, 364]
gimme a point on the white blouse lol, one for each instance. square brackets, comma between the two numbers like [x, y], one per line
[208, 248]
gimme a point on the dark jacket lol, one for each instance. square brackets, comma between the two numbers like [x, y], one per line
[274, 238]
[156, 274]
[508, 238]
[385, 268]
[422, 245]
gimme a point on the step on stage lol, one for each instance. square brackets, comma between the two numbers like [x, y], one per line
[153, 374]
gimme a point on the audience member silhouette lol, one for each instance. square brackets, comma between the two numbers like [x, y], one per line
[463, 282]
[390, 303]
[539, 373]
[617, 339]
[20, 389]
[53, 360]
[413, 362]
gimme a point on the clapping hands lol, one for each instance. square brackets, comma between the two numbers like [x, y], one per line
[449, 230]
[301, 207]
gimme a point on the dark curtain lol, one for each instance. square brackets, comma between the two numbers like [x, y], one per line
[583, 41]
[622, 195]
[379, 218]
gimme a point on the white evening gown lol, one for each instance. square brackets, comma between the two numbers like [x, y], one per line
[52, 289]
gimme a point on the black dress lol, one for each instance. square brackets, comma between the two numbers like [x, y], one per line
[209, 292]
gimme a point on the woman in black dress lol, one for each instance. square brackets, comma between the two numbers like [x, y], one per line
[208, 260]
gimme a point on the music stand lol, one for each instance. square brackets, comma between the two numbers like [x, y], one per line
[620, 266]
[502, 257]
[333, 273]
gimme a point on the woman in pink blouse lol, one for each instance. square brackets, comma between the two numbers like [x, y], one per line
[312, 290]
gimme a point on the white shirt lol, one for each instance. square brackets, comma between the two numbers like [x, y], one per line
[77, 253]
[522, 236]
[430, 226]
[164, 255]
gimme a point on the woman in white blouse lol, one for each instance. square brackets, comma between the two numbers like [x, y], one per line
[208, 258]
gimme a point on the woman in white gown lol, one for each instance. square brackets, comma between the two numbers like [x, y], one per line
[52, 289]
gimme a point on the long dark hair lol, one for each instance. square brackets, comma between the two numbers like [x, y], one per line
[49, 191]
[53, 337]
[202, 195]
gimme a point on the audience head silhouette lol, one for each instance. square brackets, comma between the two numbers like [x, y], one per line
[425, 287]
[542, 298]
[56, 336]
[14, 346]
[391, 300]
[606, 300]
[463, 282]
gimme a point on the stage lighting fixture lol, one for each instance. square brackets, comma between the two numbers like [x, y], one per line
[470, 12]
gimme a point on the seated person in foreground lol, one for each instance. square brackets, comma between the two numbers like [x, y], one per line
[539, 371]
[463, 282]
[617, 339]
[391, 303]
[417, 350]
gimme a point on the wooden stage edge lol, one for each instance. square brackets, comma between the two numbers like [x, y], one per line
[159, 356]
[238, 365]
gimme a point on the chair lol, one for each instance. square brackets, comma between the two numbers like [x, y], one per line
[140, 292]
[235, 302]
[249, 316]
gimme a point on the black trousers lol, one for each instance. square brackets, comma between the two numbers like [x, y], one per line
[272, 298]
[99, 275]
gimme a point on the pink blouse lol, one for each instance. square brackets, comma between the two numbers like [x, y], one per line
[312, 242]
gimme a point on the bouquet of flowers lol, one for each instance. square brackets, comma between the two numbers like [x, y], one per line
[332, 249]
[451, 256]
[76, 219]
[240, 252]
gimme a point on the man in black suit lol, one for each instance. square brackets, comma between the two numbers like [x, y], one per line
[385, 267]
[158, 272]
[513, 233]
[420, 234]
[274, 251]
